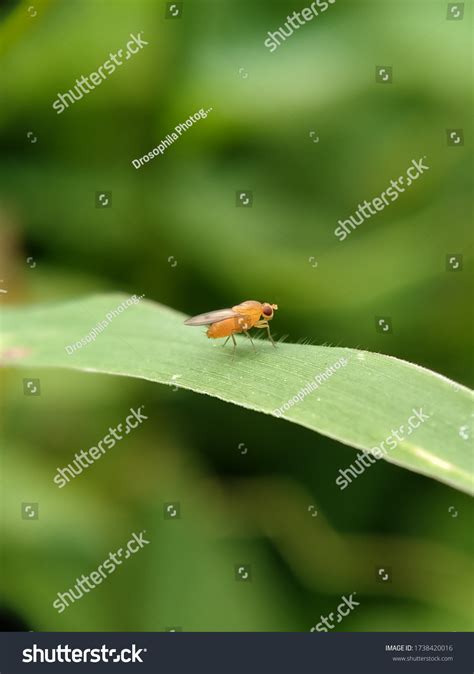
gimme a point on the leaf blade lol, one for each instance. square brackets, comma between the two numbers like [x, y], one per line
[359, 404]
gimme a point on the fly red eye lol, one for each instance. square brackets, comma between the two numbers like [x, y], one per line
[267, 311]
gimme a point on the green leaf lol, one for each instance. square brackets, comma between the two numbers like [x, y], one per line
[360, 403]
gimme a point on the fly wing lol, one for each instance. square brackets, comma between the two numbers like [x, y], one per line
[211, 317]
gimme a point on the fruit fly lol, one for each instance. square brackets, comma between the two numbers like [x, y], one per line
[241, 318]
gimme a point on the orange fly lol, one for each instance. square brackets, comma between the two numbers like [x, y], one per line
[241, 318]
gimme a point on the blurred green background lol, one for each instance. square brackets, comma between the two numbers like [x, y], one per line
[252, 507]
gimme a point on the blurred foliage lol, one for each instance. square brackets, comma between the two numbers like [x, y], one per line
[237, 508]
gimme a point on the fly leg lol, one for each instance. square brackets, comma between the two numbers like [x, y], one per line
[233, 339]
[248, 335]
[264, 324]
